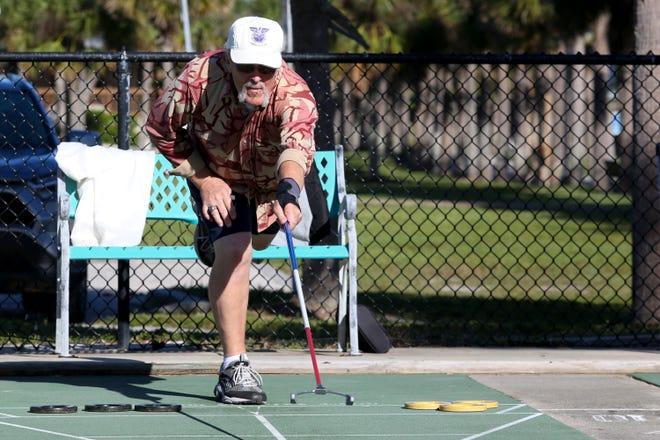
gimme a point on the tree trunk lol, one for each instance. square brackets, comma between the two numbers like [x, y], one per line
[143, 98]
[646, 237]
[575, 126]
[484, 114]
[473, 147]
[310, 34]
[452, 142]
[558, 140]
[548, 123]
[602, 149]
[501, 121]
[436, 107]
[80, 95]
[624, 141]
[518, 151]
[60, 107]
[526, 136]
[376, 130]
[396, 118]
[351, 120]
[424, 128]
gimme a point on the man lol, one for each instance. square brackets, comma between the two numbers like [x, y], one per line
[239, 124]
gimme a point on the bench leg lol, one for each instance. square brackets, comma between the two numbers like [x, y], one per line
[342, 314]
[63, 263]
[123, 303]
[352, 287]
[62, 312]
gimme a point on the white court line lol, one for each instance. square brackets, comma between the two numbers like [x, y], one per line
[45, 431]
[10, 416]
[430, 413]
[269, 426]
[499, 428]
[512, 408]
[341, 436]
[598, 409]
[279, 436]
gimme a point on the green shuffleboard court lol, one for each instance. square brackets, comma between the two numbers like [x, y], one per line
[105, 409]
[651, 378]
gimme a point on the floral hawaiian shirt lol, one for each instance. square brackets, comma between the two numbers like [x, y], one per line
[199, 122]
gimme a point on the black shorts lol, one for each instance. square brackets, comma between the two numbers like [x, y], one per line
[245, 221]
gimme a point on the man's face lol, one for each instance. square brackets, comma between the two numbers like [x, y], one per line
[254, 83]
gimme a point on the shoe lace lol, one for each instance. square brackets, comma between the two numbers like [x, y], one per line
[246, 376]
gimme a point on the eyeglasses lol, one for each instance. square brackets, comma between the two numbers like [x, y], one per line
[249, 68]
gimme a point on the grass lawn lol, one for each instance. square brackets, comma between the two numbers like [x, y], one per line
[447, 261]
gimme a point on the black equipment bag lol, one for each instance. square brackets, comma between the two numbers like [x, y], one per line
[320, 227]
[372, 337]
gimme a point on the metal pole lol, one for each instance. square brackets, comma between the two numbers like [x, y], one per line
[288, 24]
[63, 263]
[185, 18]
[124, 101]
[123, 141]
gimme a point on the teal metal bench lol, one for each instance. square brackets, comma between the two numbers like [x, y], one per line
[170, 200]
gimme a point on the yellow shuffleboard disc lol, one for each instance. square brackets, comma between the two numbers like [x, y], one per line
[489, 403]
[428, 405]
[463, 407]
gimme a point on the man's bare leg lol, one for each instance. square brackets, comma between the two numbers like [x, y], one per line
[229, 287]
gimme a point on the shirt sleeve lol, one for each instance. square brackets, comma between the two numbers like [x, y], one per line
[299, 117]
[167, 124]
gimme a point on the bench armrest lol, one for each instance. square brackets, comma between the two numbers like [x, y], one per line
[349, 207]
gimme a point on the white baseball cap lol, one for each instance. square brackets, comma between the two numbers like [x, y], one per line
[256, 40]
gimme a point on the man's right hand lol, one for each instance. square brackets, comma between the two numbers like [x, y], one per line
[217, 201]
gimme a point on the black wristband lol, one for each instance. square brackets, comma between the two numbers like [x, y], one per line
[288, 191]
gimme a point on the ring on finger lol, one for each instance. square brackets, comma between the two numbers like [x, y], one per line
[211, 209]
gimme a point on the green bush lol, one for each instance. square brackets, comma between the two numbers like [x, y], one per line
[107, 125]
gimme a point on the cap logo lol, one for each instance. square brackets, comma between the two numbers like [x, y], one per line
[259, 35]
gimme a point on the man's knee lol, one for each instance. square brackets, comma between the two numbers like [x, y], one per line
[232, 249]
[262, 241]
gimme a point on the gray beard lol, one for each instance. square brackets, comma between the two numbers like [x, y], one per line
[242, 96]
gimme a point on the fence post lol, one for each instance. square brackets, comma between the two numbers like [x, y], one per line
[123, 141]
[123, 101]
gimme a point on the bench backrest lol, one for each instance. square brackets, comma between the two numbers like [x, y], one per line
[170, 196]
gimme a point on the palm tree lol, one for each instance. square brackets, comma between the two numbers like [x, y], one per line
[646, 237]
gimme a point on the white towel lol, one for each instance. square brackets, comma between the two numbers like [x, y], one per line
[114, 187]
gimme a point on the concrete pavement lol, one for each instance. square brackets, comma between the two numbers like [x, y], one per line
[444, 360]
[603, 406]
[588, 389]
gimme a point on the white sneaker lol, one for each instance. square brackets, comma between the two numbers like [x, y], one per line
[239, 383]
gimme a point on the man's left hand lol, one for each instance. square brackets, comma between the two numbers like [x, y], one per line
[291, 213]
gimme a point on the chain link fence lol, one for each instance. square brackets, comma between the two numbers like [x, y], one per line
[496, 204]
